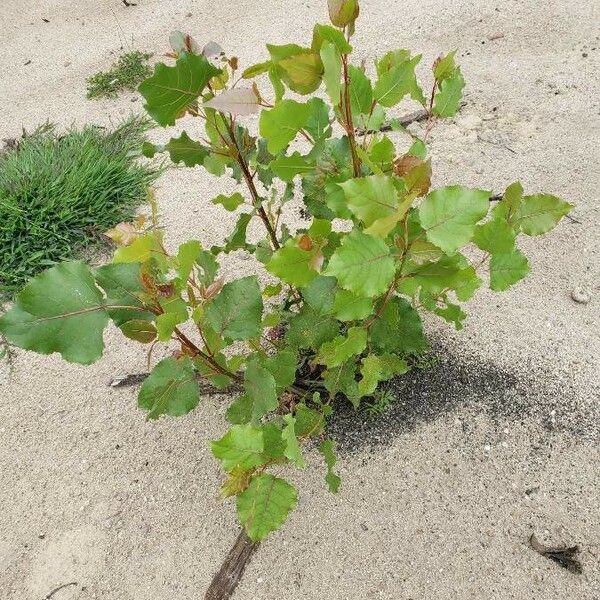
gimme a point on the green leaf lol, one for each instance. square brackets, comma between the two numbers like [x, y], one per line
[342, 380]
[371, 371]
[183, 149]
[287, 167]
[318, 121]
[327, 449]
[339, 350]
[292, 447]
[445, 66]
[236, 311]
[309, 422]
[449, 272]
[141, 250]
[322, 33]
[260, 388]
[398, 329]
[208, 267]
[139, 330]
[282, 366]
[292, 265]
[275, 79]
[187, 255]
[229, 203]
[453, 272]
[242, 446]
[421, 252]
[375, 369]
[382, 151]
[418, 149]
[171, 389]
[508, 207]
[349, 307]
[495, 236]
[302, 72]
[274, 443]
[237, 238]
[371, 198]
[280, 125]
[540, 213]
[396, 83]
[391, 59]
[60, 310]
[256, 70]
[449, 215]
[332, 65]
[172, 90]
[215, 164]
[308, 329]
[452, 313]
[447, 100]
[319, 294]
[240, 410]
[361, 93]
[264, 506]
[362, 264]
[122, 285]
[507, 269]
[166, 323]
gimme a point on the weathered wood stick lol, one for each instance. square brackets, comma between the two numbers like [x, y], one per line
[228, 576]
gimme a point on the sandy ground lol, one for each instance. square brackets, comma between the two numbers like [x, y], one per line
[500, 439]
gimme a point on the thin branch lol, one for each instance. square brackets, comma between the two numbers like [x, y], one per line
[253, 191]
[206, 387]
[348, 117]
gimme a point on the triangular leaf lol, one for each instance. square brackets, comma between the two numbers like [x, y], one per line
[60, 310]
[327, 449]
[292, 447]
[236, 311]
[447, 100]
[339, 350]
[260, 388]
[242, 446]
[507, 269]
[172, 90]
[183, 149]
[280, 125]
[171, 389]
[229, 203]
[449, 215]
[265, 505]
[540, 213]
[362, 264]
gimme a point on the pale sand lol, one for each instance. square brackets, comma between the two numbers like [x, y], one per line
[440, 496]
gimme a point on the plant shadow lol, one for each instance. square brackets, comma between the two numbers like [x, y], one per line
[455, 382]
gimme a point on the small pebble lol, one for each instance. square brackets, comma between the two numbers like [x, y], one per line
[580, 295]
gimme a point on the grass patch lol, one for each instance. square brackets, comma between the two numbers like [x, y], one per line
[59, 193]
[126, 73]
